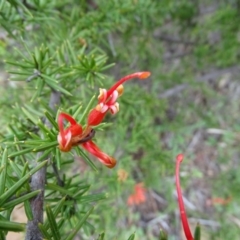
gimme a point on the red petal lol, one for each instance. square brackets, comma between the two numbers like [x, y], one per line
[67, 117]
[95, 117]
[75, 129]
[91, 147]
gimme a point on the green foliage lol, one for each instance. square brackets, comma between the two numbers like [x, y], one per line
[188, 105]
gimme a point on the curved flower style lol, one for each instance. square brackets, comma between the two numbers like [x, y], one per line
[74, 135]
[107, 99]
[183, 215]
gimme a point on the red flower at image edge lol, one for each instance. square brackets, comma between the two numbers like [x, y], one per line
[75, 135]
[183, 215]
[139, 195]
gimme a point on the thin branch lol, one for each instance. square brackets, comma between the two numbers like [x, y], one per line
[38, 182]
[60, 182]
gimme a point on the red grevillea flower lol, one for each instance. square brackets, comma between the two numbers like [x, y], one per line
[75, 135]
[107, 99]
[183, 215]
[139, 195]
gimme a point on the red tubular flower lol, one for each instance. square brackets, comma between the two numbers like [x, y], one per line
[107, 99]
[74, 135]
[183, 215]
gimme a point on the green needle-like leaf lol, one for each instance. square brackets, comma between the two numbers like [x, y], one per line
[21, 152]
[77, 111]
[79, 225]
[58, 158]
[86, 159]
[19, 200]
[44, 155]
[57, 209]
[52, 223]
[2, 235]
[101, 236]
[4, 171]
[55, 85]
[132, 237]
[45, 146]
[51, 120]
[11, 191]
[47, 132]
[12, 226]
[92, 197]
[15, 168]
[28, 209]
[30, 116]
[197, 233]
[60, 189]
[163, 235]
[87, 109]
[44, 231]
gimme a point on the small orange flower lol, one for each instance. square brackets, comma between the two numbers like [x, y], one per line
[122, 175]
[139, 195]
[221, 201]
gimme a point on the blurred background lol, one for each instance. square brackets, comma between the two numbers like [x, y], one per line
[189, 105]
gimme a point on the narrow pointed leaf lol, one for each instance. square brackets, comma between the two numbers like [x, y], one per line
[21, 152]
[51, 120]
[55, 85]
[15, 168]
[79, 225]
[45, 155]
[77, 111]
[101, 236]
[57, 209]
[44, 231]
[45, 146]
[163, 235]
[86, 159]
[30, 116]
[52, 223]
[19, 200]
[2, 235]
[197, 233]
[11, 191]
[92, 197]
[46, 130]
[12, 226]
[39, 87]
[59, 189]
[132, 237]
[87, 109]
[4, 172]
[58, 158]
[28, 209]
